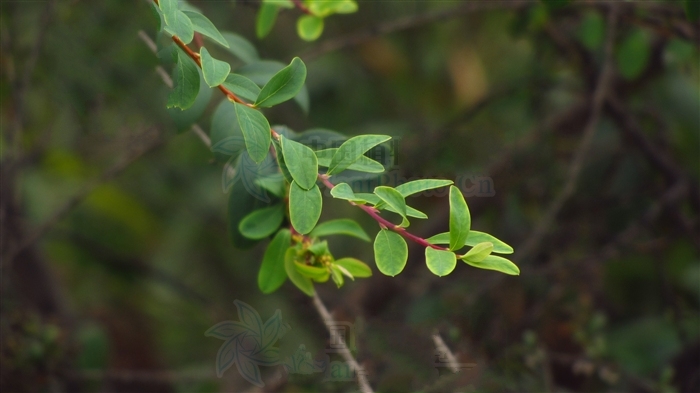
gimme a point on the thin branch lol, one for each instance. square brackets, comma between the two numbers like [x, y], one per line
[328, 320]
[440, 345]
[529, 247]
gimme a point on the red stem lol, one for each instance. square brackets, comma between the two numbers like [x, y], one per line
[383, 222]
[302, 7]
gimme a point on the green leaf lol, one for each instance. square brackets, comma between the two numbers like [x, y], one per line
[301, 162]
[304, 207]
[479, 252]
[355, 267]
[178, 24]
[365, 197]
[284, 85]
[266, 19]
[224, 124]
[241, 48]
[337, 275]
[256, 131]
[301, 282]
[392, 198]
[352, 149]
[460, 219]
[280, 161]
[281, 3]
[274, 184]
[262, 223]
[186, 83]
[319, 248]
[692, 9]
[474, 238]
[203, 25]
[493, 262]
[312, 272]
[591, 31]
[309, 27]
[633, 54]
[168, 6]
[440, 262]
[242, 86]
[324, 8]
[363, 164]
[416, 186]
[184, 119]
[343, 226]
[215, 71]
[343, 191]
[390, 252]
[262, 71]
[272, 273]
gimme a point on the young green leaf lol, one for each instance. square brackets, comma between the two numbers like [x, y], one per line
[273, 184]
[319, 248]
[262, 222]
[242, 86]
[186, 83]
[215, 71]
[337, 275]
[363, 164]
[312, 272]
[325, 8]
[203, 25]
[284, 85]
[493, 262]
[168, 6]
[290, 266]
[633, 53]
[343, 191]
[460, 219]
[392, 198]
[474, 238]
[390, 252]
[343, 226]
[440, 262]
[272, 273]
[355, 267]
[309, 27]
[304, 207]
[479, 252]
[416, 186]
[266, 19]
[256, 132]
[301, 162]
[178, 24]
[241, 48]
[352, 149]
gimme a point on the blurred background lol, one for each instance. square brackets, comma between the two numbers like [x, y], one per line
[116, 253]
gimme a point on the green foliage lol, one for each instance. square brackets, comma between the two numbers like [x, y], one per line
[304, 207]
[310, 27]
[354, 267]
[215, 71]
[295, 276]
[177, 22]
[266, 19]
[242, 86]
[692, 9]
[633, 54]
[390, 252]
[284, 85]
[363, 164]
[494, 262]
[460, 219]
[262, 223]
[272, 272]
[256, 131]
[394, 200]
[440, 262]
[301, 163]
[351, 151]
[203, 25]
[186, 83]
[343, 226]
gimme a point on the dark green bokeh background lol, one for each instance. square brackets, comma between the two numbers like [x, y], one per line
[118, 293]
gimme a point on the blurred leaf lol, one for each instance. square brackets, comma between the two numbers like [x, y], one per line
[266, 19]
[215, 71]
[300, 281]
[203, 25]
[343, 226]
[309, 27]
[241, 48]
[460, 219]
[390, 252]
[184, 119]
[262, 223]
[304, 207]
[692, 9]
[312, 272]
[256, 131]
[440, 263]
[272, 271]
[591, 31]
[274, 184]
[284, 85]
[633, 54]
